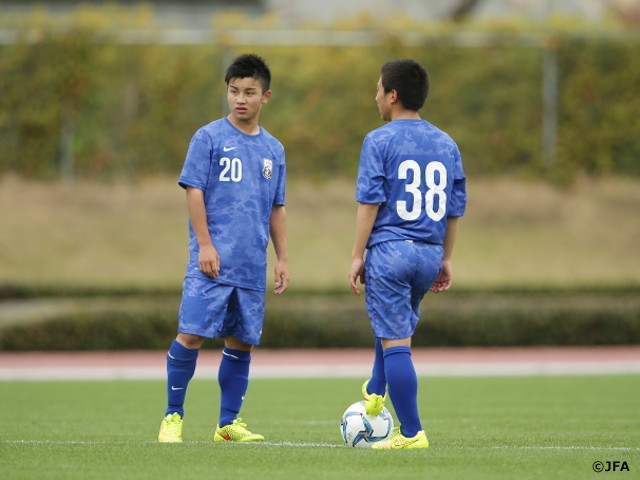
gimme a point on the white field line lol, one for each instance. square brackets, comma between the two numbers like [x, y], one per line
[316, 445]
[153, 442]
[582, 447]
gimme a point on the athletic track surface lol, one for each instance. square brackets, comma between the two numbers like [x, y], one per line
[142, 365]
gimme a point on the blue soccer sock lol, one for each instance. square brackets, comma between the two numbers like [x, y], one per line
[233, 378]
[181, 363]
[403, 388]
[378, 382]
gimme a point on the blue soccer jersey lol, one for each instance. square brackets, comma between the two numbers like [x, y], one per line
[243, 177]
[414, 171]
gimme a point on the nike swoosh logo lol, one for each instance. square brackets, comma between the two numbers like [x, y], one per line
[229, 355]
[228, 149]
[176, 388]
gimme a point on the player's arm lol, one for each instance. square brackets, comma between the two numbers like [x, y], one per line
[443, 282]
[208, 258]
[278, 229]
[365, 218]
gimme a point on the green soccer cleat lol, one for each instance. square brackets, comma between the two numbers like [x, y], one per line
[171, 429]
[373, 403]
[397, 440]
[236, 432]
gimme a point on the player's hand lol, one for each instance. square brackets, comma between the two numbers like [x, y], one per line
[209, 261]
[356, 272]
[282, 278]
[443, 281]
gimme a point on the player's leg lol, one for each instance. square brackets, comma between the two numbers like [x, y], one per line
[403, 385]
[181, 364]
[392, 271]
[196, 320]
[399, 367]
[233, 378]
[374, 390]
[378, 382]
[403, 391]
[242, 329]
[389, 270]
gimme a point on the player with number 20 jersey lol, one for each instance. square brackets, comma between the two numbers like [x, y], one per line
[234, 179]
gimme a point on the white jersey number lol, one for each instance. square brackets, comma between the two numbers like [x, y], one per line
[433, 211]
[231, 169]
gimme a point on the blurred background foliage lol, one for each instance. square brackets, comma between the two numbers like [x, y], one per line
[85, 96]
[105, 94]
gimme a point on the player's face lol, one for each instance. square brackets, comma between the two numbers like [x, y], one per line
[384, 106]
[245, 97]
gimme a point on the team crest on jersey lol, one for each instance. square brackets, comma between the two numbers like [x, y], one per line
[267, 168]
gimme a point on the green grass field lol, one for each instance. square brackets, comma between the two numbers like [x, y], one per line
[479, 428]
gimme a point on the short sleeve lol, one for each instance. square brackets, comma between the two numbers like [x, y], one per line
[371, 176]
[195, 171]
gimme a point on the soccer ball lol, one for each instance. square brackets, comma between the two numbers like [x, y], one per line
[360, 429]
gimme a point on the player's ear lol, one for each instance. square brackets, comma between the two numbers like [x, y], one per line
[266, 96]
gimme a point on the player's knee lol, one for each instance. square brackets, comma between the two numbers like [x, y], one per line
[190, 341]
[403, 342]
[233, 343]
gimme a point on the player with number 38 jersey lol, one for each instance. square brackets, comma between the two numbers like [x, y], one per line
[242, 180]
[411, 190]
[414, 171]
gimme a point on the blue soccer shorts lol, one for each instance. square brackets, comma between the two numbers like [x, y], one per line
[398, 274]
[213, 310]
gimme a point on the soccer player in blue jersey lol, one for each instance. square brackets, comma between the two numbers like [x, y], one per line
[411, 190]
[234, 176]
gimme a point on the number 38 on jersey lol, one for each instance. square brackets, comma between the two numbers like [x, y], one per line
[434, 201]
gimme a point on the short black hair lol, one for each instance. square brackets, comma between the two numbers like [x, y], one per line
[409, 79]
[250, 65]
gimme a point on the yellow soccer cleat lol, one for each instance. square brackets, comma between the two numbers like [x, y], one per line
[236, 432]
[171, 429]
[373, 402]
[397, 440]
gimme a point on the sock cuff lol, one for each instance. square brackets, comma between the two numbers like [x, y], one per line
[236, 355]
[395, 350]
[180, 352]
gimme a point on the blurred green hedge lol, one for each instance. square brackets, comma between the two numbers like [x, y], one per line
[76, 101]
[516, 318]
